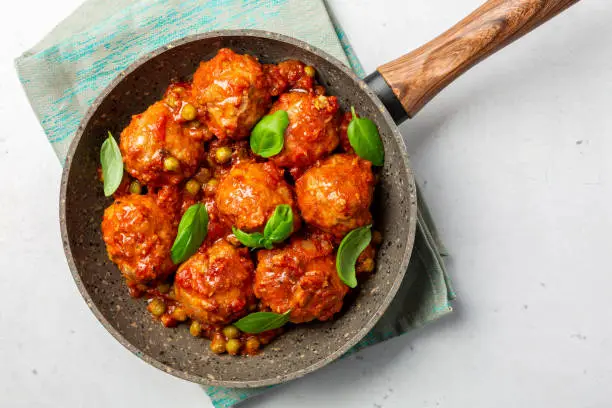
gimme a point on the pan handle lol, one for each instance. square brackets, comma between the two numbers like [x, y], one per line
[418, 76]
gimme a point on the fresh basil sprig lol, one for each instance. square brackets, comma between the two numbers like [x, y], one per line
[365, 139]
[268, 136]
[277, 229]
[262, 321]
[351, 247]
[254, 240]
[191, 233]
[112, 165]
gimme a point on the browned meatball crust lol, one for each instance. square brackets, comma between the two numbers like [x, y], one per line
[139, 234]
[335, 194]
[215, 286]
[248, 195]
[233, 91]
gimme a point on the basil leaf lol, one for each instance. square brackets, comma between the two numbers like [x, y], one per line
[268, 136]
[112, 165]
[350, 248]
[191, 233]
[254, 240]
[365, 139]
[280, 224]
[277, 229]
[261, 321]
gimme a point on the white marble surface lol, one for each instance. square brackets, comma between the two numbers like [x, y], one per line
[514, 160]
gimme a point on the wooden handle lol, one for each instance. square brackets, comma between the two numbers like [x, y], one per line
[417, 77]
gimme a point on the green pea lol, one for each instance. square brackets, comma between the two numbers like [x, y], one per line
[192, 187]
[231, 332]
[157, 307]
[310, 71]
[233, 346]
[172, 164]
[195, 328]
[223, 154]
[189, 112]
[135, 187]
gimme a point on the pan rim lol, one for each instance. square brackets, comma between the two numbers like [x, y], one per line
[349, 343]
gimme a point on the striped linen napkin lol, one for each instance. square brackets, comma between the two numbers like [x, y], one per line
[66, 71]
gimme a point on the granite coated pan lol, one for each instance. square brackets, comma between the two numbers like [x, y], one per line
[395, 92]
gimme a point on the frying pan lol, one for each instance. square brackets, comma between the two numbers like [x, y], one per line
[397, 91]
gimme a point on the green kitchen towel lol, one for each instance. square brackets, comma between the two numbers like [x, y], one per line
[65, 72]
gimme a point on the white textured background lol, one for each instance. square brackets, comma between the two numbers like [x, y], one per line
[514, 160]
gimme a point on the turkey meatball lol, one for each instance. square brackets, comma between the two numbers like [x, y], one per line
[290, 74]
[139, 234]
[300, 277]
[248, 195]
[335, 194]
[233, 90]
[215, 286]
[313, 128]
[158, 150]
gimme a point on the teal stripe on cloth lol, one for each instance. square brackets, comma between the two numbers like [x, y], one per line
[66, 70]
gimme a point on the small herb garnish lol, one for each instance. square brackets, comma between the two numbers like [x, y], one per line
[191, 233]
[254, 240]
[262, 321]
[277, 229]
[365, 139]
[112, 165]
[268, 136]
[350, 248]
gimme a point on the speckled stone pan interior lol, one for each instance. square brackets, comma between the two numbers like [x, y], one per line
[303, 348]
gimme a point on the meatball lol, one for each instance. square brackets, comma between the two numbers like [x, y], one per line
[158, 150]
[139, 234]
[248, 195]
[215, 286]
[286, 75]
[302, 278]
[313, 128]
[233, 91]
[335, 194]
